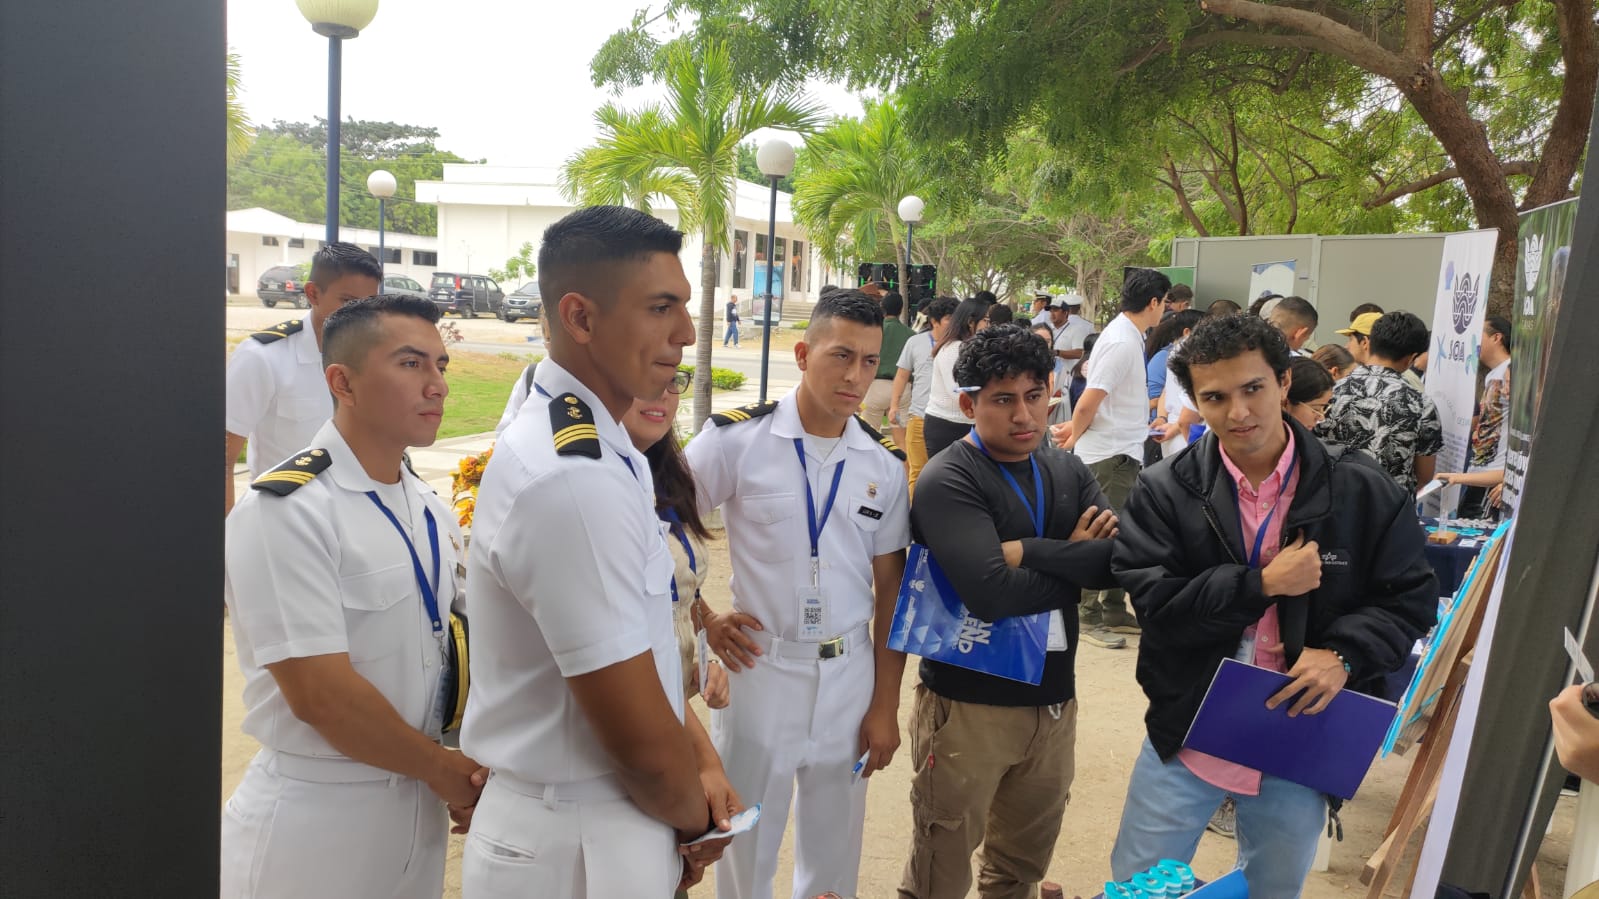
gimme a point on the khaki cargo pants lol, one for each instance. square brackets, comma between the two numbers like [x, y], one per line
[989, 775]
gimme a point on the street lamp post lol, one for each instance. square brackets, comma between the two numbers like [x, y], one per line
[775, 159]
[338, 21]
[910, 212]
[382, 185]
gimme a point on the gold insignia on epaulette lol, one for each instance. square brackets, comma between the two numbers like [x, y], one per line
[573, 429]
[293, 473]
[573, 413]
[303, 460]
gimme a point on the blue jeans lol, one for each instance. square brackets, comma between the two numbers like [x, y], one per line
[732, 334]
[1167, 809]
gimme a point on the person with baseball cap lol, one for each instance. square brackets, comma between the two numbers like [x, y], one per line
[1359, 334]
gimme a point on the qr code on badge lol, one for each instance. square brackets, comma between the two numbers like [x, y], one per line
[813, 617]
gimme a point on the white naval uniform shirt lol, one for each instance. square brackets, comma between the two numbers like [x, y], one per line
[569, 573]
[277, 396]
[750, 469]
[323, 571]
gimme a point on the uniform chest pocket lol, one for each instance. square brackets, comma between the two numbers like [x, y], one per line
[770, 522]
[305, 408]
[379, 611]
[659, 570]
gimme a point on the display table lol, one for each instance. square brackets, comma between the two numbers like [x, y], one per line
[1451, 561]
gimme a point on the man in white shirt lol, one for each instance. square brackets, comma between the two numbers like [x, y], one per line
[1041, 314]
[576, 703]
[817, 521]
[340, 585]
[1297, 320]
[277, 394]
[1108, 428]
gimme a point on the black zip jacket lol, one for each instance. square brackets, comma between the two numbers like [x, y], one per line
[1181, 557]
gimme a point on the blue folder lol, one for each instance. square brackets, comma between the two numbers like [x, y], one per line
[1330, 751]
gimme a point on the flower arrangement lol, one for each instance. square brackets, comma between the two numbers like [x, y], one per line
[464, 483]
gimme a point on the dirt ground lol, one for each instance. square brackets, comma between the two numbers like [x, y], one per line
[1109, 731]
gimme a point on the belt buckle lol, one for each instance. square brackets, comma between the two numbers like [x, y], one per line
[830, 649]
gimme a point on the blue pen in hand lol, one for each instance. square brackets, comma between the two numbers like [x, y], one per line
[855, 772]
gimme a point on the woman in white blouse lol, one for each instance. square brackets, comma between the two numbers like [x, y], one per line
[945, 423]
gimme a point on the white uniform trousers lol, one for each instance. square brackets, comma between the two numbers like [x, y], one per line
[293, 830]
[527, 843]
[796, 722]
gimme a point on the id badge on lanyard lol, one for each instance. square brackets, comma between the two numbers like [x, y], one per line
[813, 624]
[429, 590]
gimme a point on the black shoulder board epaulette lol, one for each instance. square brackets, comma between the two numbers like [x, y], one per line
[279, 331]
[294, 473]
[573, 425]
[885, 442]
[744, 413]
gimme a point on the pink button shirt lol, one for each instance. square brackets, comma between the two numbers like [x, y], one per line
[1253, 507]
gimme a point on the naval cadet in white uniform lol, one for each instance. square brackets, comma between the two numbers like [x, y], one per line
[577, 690]
[817, 517]
[342, 588]
[277, 394]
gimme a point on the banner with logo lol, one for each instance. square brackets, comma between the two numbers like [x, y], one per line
[1540, 280]
[1457, 317]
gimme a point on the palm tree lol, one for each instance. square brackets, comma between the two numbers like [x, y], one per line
[617, 172]
[853, 176]
[240, 131]
[694, 135]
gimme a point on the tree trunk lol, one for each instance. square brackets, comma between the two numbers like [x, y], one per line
[707, 326]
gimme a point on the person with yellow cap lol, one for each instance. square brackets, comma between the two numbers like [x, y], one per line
[1359, 334]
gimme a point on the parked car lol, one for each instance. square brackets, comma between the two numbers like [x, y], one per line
[401, 284]
[524, 302]
[283, 284]
[466, 295]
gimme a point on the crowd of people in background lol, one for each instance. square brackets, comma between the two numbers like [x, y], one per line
[1202, 478]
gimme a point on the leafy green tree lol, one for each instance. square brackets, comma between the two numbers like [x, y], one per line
[240, 131]
[284, 171]
[517, 268]
[696, 132]
[1485, 105]
[613, 173]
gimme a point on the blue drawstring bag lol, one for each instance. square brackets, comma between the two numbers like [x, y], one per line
[931, 621]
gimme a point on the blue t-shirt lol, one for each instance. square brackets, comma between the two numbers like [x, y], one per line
[1155, 372]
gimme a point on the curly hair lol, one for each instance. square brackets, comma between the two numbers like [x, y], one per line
[1219, 338]
[1002, 352]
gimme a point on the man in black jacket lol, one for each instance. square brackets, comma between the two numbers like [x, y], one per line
[1019, 528]
[1256, 543]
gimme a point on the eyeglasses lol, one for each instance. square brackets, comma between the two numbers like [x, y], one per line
[680, 382]
[1320, 410]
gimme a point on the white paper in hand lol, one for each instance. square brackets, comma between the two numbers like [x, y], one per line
[742, 823]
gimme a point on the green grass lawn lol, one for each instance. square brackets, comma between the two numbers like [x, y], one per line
[479, 386]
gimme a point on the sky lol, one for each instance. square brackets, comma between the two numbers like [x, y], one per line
[502, 80]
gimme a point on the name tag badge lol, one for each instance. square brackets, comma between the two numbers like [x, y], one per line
[813, 614]
[1057, 633]
[869, 512]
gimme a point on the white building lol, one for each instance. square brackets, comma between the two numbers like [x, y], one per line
[260, 238]
[487, 212]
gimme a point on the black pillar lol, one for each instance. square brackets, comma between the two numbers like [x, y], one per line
[111, 319]
[1550, 572]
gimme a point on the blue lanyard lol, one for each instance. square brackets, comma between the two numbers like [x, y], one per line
[1035, 512]
[810, 504]
[1260, 535]
[670, 516]
[429, 599]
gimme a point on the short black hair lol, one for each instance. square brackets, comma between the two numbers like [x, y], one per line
[1362, 309]
[826, 289]
[849, 305]
[1000, 314]
[1310, 380]
[580, 252]
[1300, 310]
[1501, 326]
[1219, 338]
[1171, 330]
[1002, 352]
[349, 332]
[939, 308]
[1142, 287]
[1223, 307]
[893, 303]
[986, 296]
[336, 260]
[1397, 335]
[1180, 293]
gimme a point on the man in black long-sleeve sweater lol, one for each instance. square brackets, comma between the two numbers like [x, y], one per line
[994, 757]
